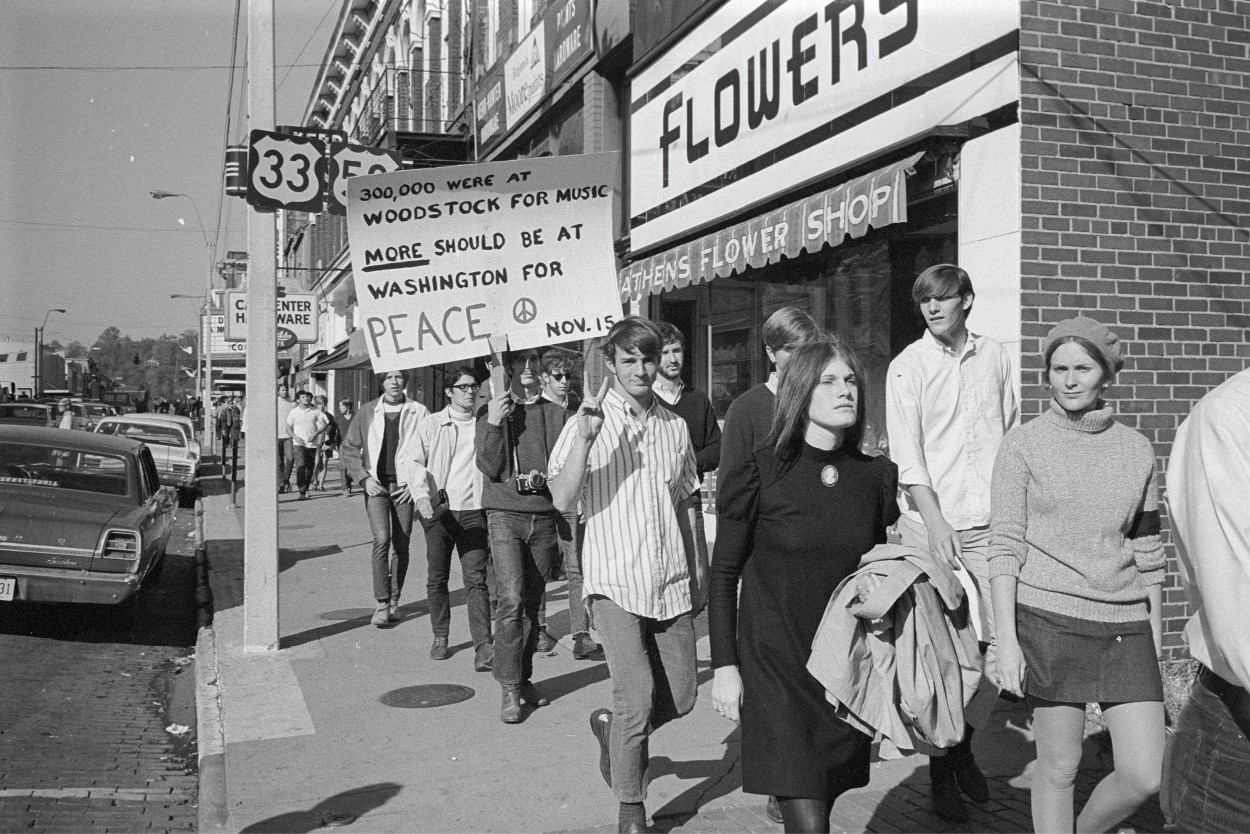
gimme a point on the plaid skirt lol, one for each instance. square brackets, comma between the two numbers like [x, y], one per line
[1070, 660]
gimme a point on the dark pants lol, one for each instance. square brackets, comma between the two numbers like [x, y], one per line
[570, 531]
[391, 525]
[1206, 768]
[522, 546]
[305, 463]
[286, 460]
[654, 680]
[465, 531]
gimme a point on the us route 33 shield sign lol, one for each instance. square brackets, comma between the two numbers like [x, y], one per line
[285, 171]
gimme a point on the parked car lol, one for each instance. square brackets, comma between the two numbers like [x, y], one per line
[96, 411]
[174, 449]
[83, 516]
[185, 423]
[27, 414]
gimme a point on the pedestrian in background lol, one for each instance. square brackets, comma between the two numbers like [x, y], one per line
[950, 398]
[749, 420]
[691, 405]
[65, 412]
[329, 443]
[379, 452]
[515, 436]
[557, 379]
[1204, 782]
[798, 515]
[307, 426]
[446, 489]
[1076, 571]
[342, 421]
[286, 448]
[629, 462]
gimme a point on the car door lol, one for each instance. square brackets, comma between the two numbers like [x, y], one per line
[158, 504]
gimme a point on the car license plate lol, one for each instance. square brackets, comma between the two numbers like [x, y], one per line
[8, 588]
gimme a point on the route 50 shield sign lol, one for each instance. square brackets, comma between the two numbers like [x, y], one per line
[285, 171]
[347, 161]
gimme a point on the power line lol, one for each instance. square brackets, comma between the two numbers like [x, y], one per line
[329, 9]
[86, 226]
[221, 179]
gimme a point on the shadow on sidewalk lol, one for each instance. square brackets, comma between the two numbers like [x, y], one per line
[718, 778]
[340, 809]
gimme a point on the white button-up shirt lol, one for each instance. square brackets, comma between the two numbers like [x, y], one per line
[639, 469]
[1209, 499]
[946, 415]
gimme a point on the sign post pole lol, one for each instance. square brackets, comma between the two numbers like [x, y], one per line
[260, 499]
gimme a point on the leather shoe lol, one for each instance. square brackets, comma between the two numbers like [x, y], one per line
[546, 643]
[584, 648]
[511, 712]
[438, 650]
[379, 616]
[601, 726]
[773, 810]
[484, 657]
[947, 802]
[531, 695]
[967, 774]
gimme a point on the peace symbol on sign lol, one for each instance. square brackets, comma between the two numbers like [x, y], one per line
[525, 310]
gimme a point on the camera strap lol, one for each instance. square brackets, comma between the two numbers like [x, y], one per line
[514, 442]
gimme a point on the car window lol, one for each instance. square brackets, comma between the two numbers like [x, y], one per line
[151, 481]
[147, 433]
[24, 412]
[31, 465]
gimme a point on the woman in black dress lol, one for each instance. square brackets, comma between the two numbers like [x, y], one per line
[796, 517]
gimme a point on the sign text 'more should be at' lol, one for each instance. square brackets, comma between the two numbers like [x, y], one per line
[451, 262]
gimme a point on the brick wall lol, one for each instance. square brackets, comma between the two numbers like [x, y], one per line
[1135, 124]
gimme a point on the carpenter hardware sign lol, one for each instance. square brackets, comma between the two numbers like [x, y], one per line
[298, 314]
[285, 171]
[807, 89]
[450, 262]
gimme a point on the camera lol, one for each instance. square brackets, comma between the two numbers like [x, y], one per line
[531, 483]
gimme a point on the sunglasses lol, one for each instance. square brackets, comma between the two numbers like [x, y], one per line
[467, 387]
[560, 377]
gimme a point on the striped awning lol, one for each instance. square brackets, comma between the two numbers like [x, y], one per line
[825, 219]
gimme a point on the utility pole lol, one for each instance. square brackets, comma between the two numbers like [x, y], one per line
[260, 499]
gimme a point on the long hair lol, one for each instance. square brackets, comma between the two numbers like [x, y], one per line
[794, 395]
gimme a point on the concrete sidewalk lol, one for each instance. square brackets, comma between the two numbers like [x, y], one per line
[300, 738]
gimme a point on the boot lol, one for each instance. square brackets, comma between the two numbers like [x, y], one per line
[946, 799]
[511, 712]
[380, 618]
[967, 774]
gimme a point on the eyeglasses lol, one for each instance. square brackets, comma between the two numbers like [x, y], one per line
[467, 387]
[559, 377]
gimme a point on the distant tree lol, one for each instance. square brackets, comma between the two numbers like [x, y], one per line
[75, 350]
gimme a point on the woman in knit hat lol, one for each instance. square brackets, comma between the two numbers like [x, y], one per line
[1076, 568]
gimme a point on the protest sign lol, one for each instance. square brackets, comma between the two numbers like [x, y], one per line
[448, 260]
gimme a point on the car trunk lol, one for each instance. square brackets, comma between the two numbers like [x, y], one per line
[40, 533]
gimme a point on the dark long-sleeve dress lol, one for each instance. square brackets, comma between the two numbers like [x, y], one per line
[793, 533]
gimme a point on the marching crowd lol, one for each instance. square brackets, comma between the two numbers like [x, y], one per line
[851, 596]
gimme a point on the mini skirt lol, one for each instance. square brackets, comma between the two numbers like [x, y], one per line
[1075, 661]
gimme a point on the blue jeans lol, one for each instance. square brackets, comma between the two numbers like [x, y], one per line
[391, 525]
[522, 546]
[1206, 768]
[654, 680]
[464, 531]
[571, 530]
[286, 460]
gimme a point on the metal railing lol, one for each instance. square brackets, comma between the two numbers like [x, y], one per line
[390, 107]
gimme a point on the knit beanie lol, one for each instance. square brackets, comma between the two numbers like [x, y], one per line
[1096, 333]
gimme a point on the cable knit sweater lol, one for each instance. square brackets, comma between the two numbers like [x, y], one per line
[1075, 516]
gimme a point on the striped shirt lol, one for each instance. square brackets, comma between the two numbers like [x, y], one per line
[637, 473]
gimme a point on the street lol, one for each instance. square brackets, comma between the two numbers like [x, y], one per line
[86, 699]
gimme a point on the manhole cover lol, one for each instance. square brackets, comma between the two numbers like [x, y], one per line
[427, 695]
[348, 614]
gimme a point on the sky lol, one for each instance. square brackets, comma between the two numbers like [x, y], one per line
[81, 148]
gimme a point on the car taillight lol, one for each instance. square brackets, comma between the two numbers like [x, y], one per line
[119, 544]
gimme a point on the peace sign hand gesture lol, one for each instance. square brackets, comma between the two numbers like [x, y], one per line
[590, 415]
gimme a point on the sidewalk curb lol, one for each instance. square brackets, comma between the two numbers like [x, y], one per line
[213, 806]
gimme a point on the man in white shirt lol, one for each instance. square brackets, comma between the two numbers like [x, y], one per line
[630, 462]
[1204, 776]
[307, 427]
[950, 398]
[286, 453]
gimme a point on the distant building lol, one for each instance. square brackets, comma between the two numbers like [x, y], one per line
[17, 367]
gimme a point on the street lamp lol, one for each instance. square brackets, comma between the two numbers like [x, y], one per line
[205, 343]
[39, 351]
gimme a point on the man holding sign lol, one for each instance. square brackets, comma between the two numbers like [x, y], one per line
[630, 462]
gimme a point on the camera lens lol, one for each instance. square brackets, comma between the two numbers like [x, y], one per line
[537, 480]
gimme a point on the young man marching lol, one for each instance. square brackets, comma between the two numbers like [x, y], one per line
[307, 426]
[950, 399]
[515, 435]
[644, 571]
[378, 453]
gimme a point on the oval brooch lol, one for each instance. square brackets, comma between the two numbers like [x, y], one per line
[829, 475]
